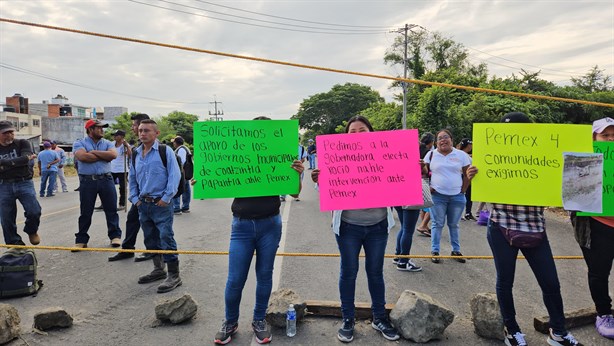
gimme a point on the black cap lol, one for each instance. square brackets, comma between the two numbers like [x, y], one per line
[139, 116]
[465, 142]
[179, 140]
[119, 133]
[515, 117]
[6, 126]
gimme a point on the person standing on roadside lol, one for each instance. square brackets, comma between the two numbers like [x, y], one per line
[16, 184]
[356, 230]
[47, 169]
[449, 182]
[62, 178]
[184, 154]
[256, 226]
[595, 235]
[152, 187]
[132, 219]
[119, 165]
[95, 155]
[311, 151]
[529, 219]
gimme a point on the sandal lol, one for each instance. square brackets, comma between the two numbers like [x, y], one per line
[424, 232]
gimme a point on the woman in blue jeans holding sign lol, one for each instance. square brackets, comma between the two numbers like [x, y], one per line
[354, 230]
[256, 226]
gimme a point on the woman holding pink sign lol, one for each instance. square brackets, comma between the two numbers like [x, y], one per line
[356, 229]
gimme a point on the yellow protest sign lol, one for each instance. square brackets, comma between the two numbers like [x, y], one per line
[523, 163]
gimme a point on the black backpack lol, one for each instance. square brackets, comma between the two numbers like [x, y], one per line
[18, 273]
[188, 166]
[162, 152]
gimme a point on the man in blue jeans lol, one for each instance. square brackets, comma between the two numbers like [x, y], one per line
[152, 187]
[16, 184]
[94, 155]
[184, 154]
[256, 226]
[48, 161]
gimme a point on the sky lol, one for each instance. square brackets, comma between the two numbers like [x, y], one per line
[559, 38]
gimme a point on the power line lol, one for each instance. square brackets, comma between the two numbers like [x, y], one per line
[56, 79]
[291, 19]
[331, 31]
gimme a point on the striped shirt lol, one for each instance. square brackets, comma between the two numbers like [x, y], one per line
[519, 217]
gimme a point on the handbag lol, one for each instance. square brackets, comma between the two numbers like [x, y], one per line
[522, 239]
[426, 196]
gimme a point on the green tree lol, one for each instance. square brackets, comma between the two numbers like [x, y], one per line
[594, 80]
[323, 112]
[122, 122]
[182, 123]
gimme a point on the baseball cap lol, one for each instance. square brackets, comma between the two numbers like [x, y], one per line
[93, 122]
[119, 133]
[310, 140]
[6, 126]
[601, 124]
[47, 144]
[515, 117]
[465, 142]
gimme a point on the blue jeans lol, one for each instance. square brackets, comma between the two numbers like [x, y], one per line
[408, 220]
[350, 240]
[448, 207]
[132, 228]
[247, 235]
[312, 161]
[157, 225]
[89, 189]
[542, 264]
[185, 197]
[48, 182]
[25, 193]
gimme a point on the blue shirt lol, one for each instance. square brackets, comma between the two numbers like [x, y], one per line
[98, 167]
[149, 178]
[47, 156]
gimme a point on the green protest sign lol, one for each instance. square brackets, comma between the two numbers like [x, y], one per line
[607, 149]
[246, 158]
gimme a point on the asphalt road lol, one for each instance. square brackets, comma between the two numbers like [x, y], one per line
[110, 308]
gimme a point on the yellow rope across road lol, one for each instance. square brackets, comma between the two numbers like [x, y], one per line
[224, 253]
[311, 67]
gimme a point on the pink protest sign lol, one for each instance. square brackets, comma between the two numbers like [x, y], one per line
[369, 170]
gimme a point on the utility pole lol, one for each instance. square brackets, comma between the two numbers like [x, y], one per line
[404, 30]
[215, 116]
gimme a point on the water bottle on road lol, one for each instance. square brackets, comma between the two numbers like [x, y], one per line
[291, 321]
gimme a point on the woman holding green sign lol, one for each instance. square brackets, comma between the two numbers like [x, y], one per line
[354, 230]
[596, 238]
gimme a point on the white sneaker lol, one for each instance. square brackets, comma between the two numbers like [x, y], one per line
[514, 340]
[562, 340]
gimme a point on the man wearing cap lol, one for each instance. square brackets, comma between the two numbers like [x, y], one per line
[184, 154]
[62, 155]
[16, 184]
[311, 151]
[595, 235]
[119, 165]
[47, 169]
[94, 155]
[132, 220]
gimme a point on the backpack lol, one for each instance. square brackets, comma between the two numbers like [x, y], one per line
[162, 152]
[188, 166]
[18, 273]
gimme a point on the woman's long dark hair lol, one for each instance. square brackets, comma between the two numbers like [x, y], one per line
[362, 120]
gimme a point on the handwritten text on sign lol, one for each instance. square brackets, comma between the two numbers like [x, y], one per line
[369, 170]
[607, 149]
[523, 163]
[245, 158]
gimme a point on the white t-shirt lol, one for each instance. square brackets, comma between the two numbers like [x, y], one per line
[447, 170]
[117, 164]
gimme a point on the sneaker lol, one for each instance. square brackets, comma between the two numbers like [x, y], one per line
[514, 340]
[457, 253]
[605, 326]
[435, 260]
[464, 218]
[470, 216]
[395, 261]
[562, 340]
[409, 267]
[387, 330]
[185, 211]
[346, 332]
[80, 246]
[177, 212]
[262, 332]
[226, 332]
[116, 242]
